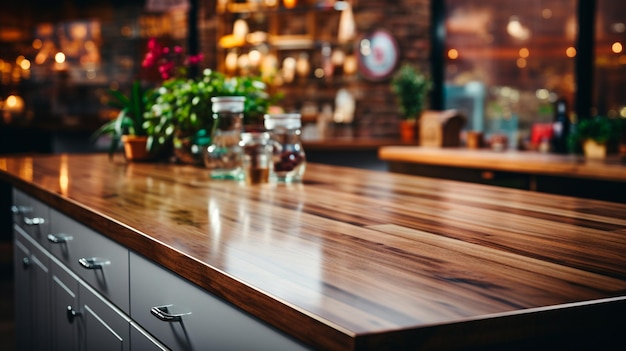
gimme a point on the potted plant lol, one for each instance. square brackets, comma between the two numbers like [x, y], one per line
[411, 87]
[180, 114]
[596, 135]
[164, 65]
[128, 126]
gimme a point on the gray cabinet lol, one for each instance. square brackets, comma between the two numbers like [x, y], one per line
[185, 317]
[56, 309]
[78, 290]
[32, 293]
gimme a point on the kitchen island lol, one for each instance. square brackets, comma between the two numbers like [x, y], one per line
[572, 175]
[360, 260]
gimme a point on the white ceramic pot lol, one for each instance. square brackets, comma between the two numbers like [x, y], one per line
[594, 149]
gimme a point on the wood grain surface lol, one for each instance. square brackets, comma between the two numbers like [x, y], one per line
[530, 162]
[356, 259]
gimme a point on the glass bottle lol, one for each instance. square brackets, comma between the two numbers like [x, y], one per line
[223, 156]
[560, 127]
[256, 157]
[289, 160]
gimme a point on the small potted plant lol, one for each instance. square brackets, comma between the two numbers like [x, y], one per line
[164, 65]
[128, 126]
[411, 88]
[596, 135]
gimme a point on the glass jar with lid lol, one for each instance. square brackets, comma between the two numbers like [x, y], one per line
[289, 160]
[257, 151]
[223, 156]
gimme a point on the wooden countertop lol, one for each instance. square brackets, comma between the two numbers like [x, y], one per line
[510, 161]
[354, 259]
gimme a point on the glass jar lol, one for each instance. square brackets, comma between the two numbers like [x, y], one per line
[223, 156]
[289, 160]
[257, 149]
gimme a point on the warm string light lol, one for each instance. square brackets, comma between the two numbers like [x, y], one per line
[303, 67]
[570, 52]
[350, 65]
[524, 53]
[453, 54]
[59, 57]
[290, 3]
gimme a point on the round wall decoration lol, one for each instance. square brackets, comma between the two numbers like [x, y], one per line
[378, 55]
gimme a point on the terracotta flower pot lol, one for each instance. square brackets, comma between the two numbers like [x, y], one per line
[135, 148]
[408, 130]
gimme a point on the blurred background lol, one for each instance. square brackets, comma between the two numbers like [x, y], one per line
[503, 63]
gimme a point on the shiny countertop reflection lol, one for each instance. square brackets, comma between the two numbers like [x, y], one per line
[350, 258]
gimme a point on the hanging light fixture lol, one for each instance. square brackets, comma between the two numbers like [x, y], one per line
[240, 29]
[347, 26]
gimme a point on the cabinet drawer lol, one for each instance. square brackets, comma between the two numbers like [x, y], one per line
[32, 216]
[32, 293]
[208, 323]
[98, 260]
[142, 340]
[64, 298]
[106, 327]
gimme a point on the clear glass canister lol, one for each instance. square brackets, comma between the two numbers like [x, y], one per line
[289, 160]
[223, 156]
[257, 149]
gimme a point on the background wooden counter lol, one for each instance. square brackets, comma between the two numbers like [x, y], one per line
[350, 151]
[357, 259]
[572, 175]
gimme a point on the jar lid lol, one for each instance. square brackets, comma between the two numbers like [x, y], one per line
[282, 120]
[228, 103]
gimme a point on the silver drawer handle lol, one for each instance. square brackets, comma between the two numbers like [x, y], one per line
[59, 238]
[20, 209]
[163, 314]
[34, 221]
[94, 262]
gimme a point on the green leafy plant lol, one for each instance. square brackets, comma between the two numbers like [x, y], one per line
[182, 107]
[602, 129]
[129, 120]
[411, 88]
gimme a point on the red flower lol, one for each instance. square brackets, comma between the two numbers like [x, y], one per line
[170, 62]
